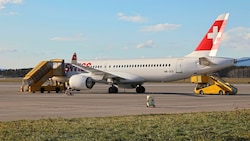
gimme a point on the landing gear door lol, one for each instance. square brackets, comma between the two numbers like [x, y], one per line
[179, 66]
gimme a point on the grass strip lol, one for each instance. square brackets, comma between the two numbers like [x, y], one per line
[228, 125]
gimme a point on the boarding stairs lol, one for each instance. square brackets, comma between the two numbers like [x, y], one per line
[42, 73]
[210, 84]
[224, 85]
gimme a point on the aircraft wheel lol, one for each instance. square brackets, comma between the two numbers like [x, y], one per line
[201, 92]
[42, 90]
[227, 93]
[140, 89]
[57, 90]
[220, 92]
[113, 89]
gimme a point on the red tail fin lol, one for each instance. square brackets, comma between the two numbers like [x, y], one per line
[74, 59]
[210, 43]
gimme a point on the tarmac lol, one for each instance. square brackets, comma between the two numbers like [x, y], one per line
[169, 98]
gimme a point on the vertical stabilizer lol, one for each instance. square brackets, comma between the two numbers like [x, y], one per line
[74, 59]
[210, 43]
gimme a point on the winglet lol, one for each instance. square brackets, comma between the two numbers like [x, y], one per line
[210, 42]
[74, 59]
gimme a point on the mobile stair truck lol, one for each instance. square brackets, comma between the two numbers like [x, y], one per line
[209, 84]
[41, 77]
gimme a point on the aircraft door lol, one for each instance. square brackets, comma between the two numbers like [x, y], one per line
[179, 66]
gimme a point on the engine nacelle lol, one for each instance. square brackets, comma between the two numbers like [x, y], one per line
[81, 82]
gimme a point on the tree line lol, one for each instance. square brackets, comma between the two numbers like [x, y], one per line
[231, 72]
[235, 72]
[14, 72]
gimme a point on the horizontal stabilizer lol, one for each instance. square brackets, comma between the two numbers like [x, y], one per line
[205, 62]
[245, 61]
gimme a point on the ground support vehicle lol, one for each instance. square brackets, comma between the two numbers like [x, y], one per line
[209, 84]
[41, 78]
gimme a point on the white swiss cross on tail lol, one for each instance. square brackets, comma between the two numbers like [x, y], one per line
[214, 35]
[210, 43]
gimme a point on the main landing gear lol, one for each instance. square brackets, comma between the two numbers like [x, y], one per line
[114, 89]
[140, 89]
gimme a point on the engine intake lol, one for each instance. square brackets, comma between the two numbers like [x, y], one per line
[81, 82]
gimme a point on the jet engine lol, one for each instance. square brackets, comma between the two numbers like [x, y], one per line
[81, 82]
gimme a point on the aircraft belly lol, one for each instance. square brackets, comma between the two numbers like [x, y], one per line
[156, 76]
[164, 77]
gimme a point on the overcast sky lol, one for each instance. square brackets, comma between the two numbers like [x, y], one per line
[36, 30]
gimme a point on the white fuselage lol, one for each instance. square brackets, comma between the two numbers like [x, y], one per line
[132, 73]
[159, 69]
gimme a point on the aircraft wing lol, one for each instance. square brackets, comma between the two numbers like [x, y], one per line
[99, 75]
[94, 71]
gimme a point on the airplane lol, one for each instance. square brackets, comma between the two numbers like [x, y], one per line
[133, 73]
